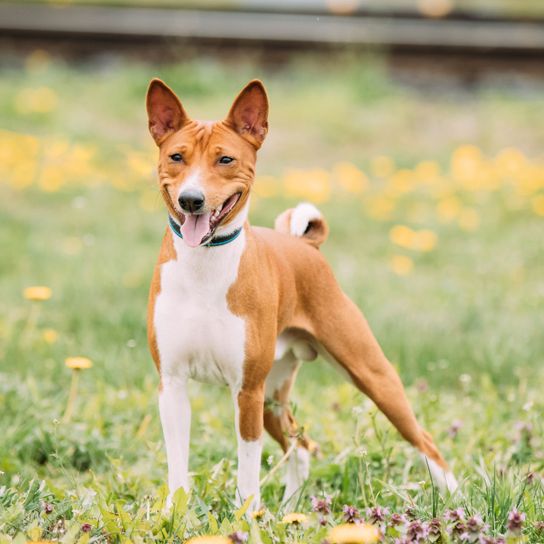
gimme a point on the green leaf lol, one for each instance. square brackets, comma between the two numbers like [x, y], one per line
[179, 502]
[214, 527]
[243, 509]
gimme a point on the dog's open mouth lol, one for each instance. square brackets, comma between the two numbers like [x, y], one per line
[199, 228]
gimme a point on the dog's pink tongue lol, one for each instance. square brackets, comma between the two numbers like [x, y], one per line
[194, 228]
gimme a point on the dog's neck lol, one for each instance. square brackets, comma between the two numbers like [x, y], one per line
[204, 264]
[215, 241]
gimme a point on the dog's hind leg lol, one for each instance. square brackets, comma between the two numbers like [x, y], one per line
[347, 340]
[282, 427]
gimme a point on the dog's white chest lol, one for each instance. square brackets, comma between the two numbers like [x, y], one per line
[197, 334]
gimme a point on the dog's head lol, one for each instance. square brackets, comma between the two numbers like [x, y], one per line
[206, 169]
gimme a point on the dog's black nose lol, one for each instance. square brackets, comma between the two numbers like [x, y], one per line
[191, 201]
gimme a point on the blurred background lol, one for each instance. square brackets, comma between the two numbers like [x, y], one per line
[416, 126]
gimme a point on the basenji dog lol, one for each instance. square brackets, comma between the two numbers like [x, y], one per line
[244, 306]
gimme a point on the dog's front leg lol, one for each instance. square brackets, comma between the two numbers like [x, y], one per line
[175, 412]
[249, 409]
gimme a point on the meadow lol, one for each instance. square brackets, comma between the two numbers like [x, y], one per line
[435, 199]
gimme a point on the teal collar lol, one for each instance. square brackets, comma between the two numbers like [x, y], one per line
[214, 242]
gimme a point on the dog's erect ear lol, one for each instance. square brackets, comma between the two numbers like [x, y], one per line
[164, 111]
[249, 114]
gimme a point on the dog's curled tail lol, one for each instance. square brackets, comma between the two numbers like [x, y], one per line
[305, 221]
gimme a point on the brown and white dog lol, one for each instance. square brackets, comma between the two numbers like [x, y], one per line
[243, 306]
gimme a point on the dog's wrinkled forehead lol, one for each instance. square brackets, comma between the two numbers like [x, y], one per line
[206, 138]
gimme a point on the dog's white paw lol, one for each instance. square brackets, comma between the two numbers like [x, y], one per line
[444, 480]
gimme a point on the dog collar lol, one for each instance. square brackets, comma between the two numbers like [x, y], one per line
[214, 242]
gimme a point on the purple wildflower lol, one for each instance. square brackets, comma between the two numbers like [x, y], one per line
[47, 507]
[410, 513]
[524, 428]
[422, 385]
[238, 537]
[458, 529]
[434, 530]
[397, 519]
[323, 506]
[377, 515]
[351, 514]
[416, 531]
[515, 521]
[476, 525]
[455, 515]
[453, 430]
[86, 527]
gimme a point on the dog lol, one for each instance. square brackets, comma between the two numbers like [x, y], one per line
[245, 306]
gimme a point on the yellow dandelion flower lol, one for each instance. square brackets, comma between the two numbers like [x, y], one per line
[350, 178]
[121, 182]
[266, 186]
[425, 240]
[51, 178]
[448, 208]
[529, 180]
[469, 219]
[38, 293]
[56, 148]
[466, 161]
[382, 166]
[427, 171]
[209, 539]
[380, 207]
[22, 175]
[538, 204]
[401, 265]
[402, 235]
[510, 161]
[295, 517]
[141, 165]
[258, 514]
[312, 185]
[401, 182]
[50, 336]
[350, 533]
[78, 363]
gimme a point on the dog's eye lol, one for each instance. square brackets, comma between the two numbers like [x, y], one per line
[176, 157]
[225, 160]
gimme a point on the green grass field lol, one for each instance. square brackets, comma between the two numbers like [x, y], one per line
[436, 205]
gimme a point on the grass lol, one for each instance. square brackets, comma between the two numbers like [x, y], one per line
[459, 310]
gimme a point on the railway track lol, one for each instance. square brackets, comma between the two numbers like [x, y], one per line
[302, 28]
